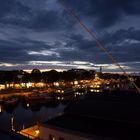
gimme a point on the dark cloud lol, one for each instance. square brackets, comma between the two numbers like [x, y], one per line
[105, 13]
[43, 31]
[16, 51]
[123, 44]
[49, 20]
[8, 6]
[101, 13]
[17, 13]
[13, 12]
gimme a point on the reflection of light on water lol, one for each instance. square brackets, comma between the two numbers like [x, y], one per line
[0, 108]
[12, 123]
[21, 115]
[28, 104]
[23, 127]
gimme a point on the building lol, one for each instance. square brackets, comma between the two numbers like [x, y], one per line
[96, 118]
[69, 127]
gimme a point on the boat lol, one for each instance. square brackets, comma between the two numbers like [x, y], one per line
[35, 96]
[64, 94]
[11, 101]
[42, 97]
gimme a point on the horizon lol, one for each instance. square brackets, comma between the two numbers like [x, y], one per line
[62, 70]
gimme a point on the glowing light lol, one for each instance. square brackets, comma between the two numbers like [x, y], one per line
[29, 85]
[97, 90]
[12, 120]
[12, 123]
[28, 105]
[92, 90]
[2, 87]
[56, 84]
[41, 84]
[98, 85]
[62, 91]
[91, 86]
[58, 91]
[37, 132]
[75, 82]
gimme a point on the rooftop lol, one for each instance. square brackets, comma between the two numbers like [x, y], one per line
[116, 117]
[91, 127]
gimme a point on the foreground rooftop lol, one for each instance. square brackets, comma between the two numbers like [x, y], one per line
[91, 127]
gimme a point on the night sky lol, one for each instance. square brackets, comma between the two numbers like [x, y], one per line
[41, 34]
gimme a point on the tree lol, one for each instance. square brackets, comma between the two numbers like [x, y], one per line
[36, 75]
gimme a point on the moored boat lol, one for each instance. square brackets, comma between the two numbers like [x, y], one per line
[64, 94]
[11, 101]
[39, 97]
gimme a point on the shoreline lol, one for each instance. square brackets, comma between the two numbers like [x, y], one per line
[5, 95]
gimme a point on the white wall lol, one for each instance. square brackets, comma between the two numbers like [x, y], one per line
[44, 134]
[45, 131]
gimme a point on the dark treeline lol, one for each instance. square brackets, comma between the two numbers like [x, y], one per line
[136, 79]
[18, 76]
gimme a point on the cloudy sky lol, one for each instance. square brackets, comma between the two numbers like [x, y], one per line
[41, 34]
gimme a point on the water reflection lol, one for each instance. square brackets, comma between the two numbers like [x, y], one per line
[52, 104]
[27, 105]
[10, 108]
[12, 124]
[35, 108]
[1, 109]
[25, 114]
